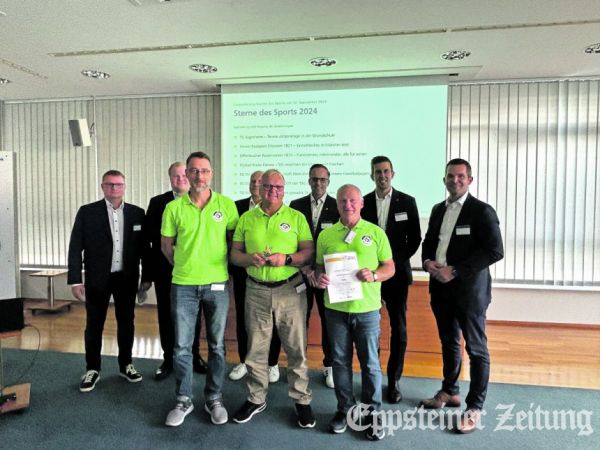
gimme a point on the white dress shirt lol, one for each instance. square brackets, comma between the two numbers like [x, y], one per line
[316, 206]
[117, 230]
[383, 208]
[448, 223]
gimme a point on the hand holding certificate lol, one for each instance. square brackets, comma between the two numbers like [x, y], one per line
[341, 269]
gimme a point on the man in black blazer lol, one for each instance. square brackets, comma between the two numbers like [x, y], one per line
[238, 276]
[321, 212]
[395, 212]
[463, 239]
[108, 237]
[159, 270]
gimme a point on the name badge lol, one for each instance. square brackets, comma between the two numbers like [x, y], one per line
[349, 237]
[217, 287]
[326, 225]
[401, 217]
[300, 288]
[464, 230]
[137, 227]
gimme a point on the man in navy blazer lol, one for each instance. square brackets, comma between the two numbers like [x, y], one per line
[463, 239]
[238, 276]
[108, 237]
[395, 212]
[159, 271]
[321, 212]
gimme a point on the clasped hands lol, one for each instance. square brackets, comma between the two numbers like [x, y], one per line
[273, 259]
[441, 273]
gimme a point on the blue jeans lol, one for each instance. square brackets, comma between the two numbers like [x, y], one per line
[362, 330]
[185, 301]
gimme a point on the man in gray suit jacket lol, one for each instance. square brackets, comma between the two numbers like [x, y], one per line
[463, 239]
[108, 237]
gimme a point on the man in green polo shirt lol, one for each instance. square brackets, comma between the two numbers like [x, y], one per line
[195, 232]
[272, 242]
[355, 320]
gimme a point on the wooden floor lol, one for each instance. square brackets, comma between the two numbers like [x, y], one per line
[523, 354]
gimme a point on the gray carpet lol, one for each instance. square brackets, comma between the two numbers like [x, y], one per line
[121, 415]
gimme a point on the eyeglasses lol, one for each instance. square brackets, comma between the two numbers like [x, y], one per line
[198, 171]
[114, 185]
[319, 180]
[268, 187]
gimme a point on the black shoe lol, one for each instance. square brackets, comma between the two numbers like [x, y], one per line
[393, 394]
[89, 380]
[375, 431]
[248, 410]
[338, 424]
[163, 371]
[200, 365]
[130, 374]
[306, 419]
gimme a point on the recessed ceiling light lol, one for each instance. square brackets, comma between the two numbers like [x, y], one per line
[322, 62]
[454, 55]
[203, 68]
[4, 81]
[594, 48]
[95, 74]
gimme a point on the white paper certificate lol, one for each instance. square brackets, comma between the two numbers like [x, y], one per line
[343, 284]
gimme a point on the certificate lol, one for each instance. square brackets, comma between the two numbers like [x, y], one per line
[343, 284]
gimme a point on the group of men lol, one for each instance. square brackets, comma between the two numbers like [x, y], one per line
[277, 277]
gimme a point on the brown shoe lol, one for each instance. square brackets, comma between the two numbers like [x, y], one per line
[440, 400]
[469, 421]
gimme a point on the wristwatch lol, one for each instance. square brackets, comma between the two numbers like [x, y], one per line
[288, 260]
[375, 277]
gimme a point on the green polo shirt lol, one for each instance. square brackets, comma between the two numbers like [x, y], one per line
[371, 246]
[200, 255]
[279, 233]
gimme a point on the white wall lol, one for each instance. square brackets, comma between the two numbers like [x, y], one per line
[545, 305]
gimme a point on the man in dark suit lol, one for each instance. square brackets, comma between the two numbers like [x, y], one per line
[463, 239]
[395, 212]
[159, 270]
[321, 212]
[238, 276]
[108, 237]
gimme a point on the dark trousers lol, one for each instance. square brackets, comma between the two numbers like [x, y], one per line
[451, 319]
[96, 306]
[166, 330]
[318, 295]
[238, 275]
[395, 296]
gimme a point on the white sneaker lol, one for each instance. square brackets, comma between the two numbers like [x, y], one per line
[328, 375]
[273, 374]
[217, 411]
[183, 407]
[238, 372]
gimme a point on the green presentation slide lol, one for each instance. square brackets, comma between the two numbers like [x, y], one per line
[342, 129]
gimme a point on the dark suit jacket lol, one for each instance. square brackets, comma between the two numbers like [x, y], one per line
[471, 254]
[329, 213]
[242, 205]
[404, 235]
[158, 265]
[91, 243]
[239, 273]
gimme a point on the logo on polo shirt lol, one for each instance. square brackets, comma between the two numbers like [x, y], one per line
[218, 216]
[285, 227]
[367, 240]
